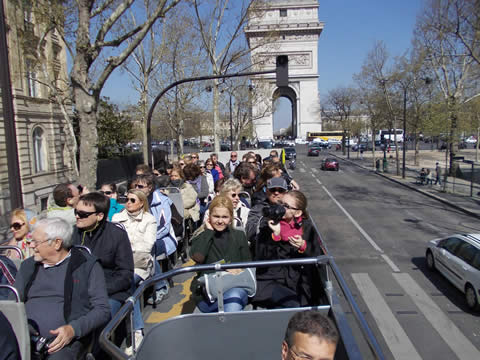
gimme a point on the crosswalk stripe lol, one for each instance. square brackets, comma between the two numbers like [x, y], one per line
[449, 332]
[302, 170]
[396, 338]
[314, 170]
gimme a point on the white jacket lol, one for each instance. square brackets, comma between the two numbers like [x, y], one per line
[142, 232]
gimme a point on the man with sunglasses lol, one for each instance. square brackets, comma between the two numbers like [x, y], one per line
[232, 163]
[64, 290]
[310, 335]
[276, 188]
[65, 198]
[108, 242]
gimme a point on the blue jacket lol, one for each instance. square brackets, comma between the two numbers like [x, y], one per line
[160, 208]
[115, 207]
[215, 175]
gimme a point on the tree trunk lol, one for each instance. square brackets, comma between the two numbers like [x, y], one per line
[143, 105]
[216, 115]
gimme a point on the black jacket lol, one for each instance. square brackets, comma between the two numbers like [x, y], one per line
[304, 280]
[110, 244]
[83, 310]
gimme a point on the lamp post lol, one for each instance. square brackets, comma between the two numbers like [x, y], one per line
[231, 123]
[404, 129]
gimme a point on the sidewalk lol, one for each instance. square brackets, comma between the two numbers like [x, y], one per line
[457, 192]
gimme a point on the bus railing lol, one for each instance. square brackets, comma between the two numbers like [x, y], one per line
[345, 331]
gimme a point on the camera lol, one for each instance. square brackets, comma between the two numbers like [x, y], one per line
[274, 212]
[39, 347]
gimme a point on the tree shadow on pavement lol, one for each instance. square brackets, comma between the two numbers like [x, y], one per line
[444, 287]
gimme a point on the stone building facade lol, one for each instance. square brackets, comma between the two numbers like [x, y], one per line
[43, 155]
[292, 28]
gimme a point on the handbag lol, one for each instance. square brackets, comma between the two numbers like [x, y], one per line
[225, 281]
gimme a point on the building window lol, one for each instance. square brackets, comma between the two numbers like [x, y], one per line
[39, 150]
[31, 76]
[283, 12]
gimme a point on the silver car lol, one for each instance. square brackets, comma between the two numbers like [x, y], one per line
[457, 257]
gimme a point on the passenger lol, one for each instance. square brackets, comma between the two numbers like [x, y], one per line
[258, 157]
[65, 198]
[195, 158]
[231, 189]
[310, 335]
[193, 176]
[141, 228]
[219, 242]
[268, 172]
[63, 288]
[110, 191]
[209, 177]
[21, 221]
[210, 170]
[109, 243]
[276, 188]
[189, 195]
[293, 237]
[8, 272]
[218, 165]
[232, 163]
[8, 341]
[143, 169]
[165, 243]
[246, 174]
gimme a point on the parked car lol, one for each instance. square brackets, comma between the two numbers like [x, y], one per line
[471, 140]
[333, 141]
[359, 147]
[314, 150]
[457, 257]
[265, 144]
[330, 164]
[300, 141]
[290, 153]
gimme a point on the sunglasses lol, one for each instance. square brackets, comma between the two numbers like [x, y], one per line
[233, 156]
[83, 214]
[140, 186]
[181, 164]
[252, 162]
[279, 190]
[194, 157]
[132, 200]
[202, 167]
[16, 226]
[106, 192]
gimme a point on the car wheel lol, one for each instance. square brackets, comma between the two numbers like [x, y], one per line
[471, 297]
[430, 260]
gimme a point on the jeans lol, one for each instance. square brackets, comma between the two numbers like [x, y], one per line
[138, 323]
[234, 299]
[159, 249]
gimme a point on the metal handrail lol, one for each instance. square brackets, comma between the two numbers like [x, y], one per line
[128, 306]
[12, 289]
[13, 247]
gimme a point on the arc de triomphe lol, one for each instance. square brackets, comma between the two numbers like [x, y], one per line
[287, 27]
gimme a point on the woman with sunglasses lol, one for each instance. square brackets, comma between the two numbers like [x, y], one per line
[110, 191]
[20, 222]
[141, 227]
[292, 237]
[209, 167]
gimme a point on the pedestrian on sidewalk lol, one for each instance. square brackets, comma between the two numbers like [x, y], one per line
[438, 174]
[423, 176]
[429, 177]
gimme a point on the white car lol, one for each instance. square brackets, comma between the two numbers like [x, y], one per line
[457, 257]
[333, 141]
[471, 140]
[300, 141]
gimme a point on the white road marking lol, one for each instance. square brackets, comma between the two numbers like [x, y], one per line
[396, 338]
[302, 170]
[318, 181]
[449, 332]
[390, 263]
[363, 232]
[315, 170]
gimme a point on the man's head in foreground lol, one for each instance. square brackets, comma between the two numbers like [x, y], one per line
[310, 335]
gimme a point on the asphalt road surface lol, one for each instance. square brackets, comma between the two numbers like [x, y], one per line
[377, 232]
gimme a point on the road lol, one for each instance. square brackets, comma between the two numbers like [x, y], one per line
[377, 232]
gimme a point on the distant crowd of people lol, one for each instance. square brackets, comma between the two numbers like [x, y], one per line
[89, 251]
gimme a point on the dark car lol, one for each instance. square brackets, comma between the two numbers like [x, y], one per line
[330, 164]
[359, 147]
[314, 150]
[290, 153]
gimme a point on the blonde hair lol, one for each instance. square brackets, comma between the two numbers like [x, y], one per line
[141, 196]
[221, 201]
[22, 215]
[229, 185]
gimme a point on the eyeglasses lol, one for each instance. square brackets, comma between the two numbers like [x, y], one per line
[106, 192]
[16, 226]
[140, 186]
[181, 164]
[279, 190]
[252, 162]
[36, 243]
[233, 156]
[202, 167]
[286, 206]
[209, 165]
[132, 200]
[83, 214]
[296, 356]
[194, 157]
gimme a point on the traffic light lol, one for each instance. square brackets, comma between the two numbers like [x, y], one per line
[282, 70]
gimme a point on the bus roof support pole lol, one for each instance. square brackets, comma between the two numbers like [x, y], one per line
[187, 80]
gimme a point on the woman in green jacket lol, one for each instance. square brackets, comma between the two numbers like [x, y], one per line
[219, 242]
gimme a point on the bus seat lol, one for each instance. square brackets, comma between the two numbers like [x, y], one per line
[14, 311]
[252, 335]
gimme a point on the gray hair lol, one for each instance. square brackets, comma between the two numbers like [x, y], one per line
[56, 228]
[229, 185]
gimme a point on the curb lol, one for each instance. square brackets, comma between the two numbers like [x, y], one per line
[426, 193]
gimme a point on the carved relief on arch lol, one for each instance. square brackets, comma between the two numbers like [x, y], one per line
[303, 59]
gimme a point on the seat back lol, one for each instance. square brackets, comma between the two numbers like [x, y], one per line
[14, 311]
[246, 196]
[176, 197]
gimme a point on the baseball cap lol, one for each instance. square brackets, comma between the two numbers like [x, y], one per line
[277, 182]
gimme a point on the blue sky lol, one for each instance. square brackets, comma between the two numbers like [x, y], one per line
[351, 28]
